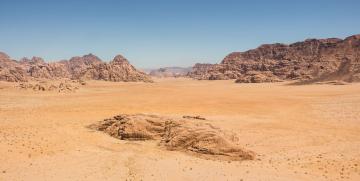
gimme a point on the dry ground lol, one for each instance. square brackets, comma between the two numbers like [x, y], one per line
[307, 132]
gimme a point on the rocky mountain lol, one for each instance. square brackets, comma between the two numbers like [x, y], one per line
[36, 67]
[10, 70]
[88, 67]
[308, 61]
[119, 69]
[77, 65]
[170, 72]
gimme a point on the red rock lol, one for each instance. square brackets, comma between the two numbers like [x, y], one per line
[10, 70]
[85, 67]
[117, 70]
[305, 60]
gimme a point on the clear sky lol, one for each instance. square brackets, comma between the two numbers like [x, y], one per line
[153, 33]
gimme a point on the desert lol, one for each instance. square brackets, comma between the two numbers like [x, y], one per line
[308, 132]
[190, 90]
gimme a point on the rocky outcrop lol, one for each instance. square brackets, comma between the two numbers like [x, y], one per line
[85, 67]
[46, 86]
[195, 136]
[10, 70]
[77, 65]
[170, 72]
[257, 77]
[117, 70]
[307, 60]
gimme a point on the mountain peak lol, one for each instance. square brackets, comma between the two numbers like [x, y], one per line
[4, 56]
[119, 59]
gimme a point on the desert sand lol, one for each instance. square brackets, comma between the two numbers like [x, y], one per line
[308, 132]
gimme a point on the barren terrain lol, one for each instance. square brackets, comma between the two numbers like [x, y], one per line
[308, 132]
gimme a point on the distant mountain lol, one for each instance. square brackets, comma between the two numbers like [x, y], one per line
[170, 72]
[85, 67]
[10, 70]
[308, 61]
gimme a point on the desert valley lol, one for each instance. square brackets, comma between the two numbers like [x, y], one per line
[277, 112]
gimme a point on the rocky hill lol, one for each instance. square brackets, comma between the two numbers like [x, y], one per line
[11, 70]
[170, 72]
[88, 67]
[308, 61]
[119, 69]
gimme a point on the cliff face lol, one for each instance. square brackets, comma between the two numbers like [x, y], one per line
[308, 60]
[85, 67]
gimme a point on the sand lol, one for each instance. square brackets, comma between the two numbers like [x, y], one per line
[308, 132]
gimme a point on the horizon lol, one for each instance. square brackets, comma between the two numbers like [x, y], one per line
[162, 34]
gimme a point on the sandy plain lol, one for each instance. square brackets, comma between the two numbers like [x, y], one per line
[309, 132]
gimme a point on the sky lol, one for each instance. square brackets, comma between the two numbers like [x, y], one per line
[158, 33]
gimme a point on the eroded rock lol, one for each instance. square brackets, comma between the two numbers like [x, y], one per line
[257, 77]
[194, 136]
[47, 86]
[170, 72]
[312, 59]
[87, 67]
[117, 70]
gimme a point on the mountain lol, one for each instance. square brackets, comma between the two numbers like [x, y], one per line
[88, 67]
[119, 69]
[170, 72]
[309, 61]
[10, 70]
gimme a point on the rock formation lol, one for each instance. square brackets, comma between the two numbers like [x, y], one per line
[195, 136]
[311, 59]
[117, 70]
[85, 67]
[10, 70]
[46, 86]
[257, 77]
[77, 65]
[170, 72]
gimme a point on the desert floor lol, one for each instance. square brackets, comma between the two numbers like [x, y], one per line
[309, 132]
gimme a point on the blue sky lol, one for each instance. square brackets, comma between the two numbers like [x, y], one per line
[154, 33]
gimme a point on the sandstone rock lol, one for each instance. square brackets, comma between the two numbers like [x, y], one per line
[15, 74]
[46, 86]
[10, 70]
[77, 65]
[117, 70]
[86, 67]
[34, 61]
[170, 72]
[194, 136]
[307, 60]
[257, 77]
[49, 71]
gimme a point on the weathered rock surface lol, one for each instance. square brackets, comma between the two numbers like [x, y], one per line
[64, 86]
[77, 65]
[117, 70]
[170, 72]
[195, 136]
[307, 60]
[85, 67]
[257, 77]
[10, 70]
